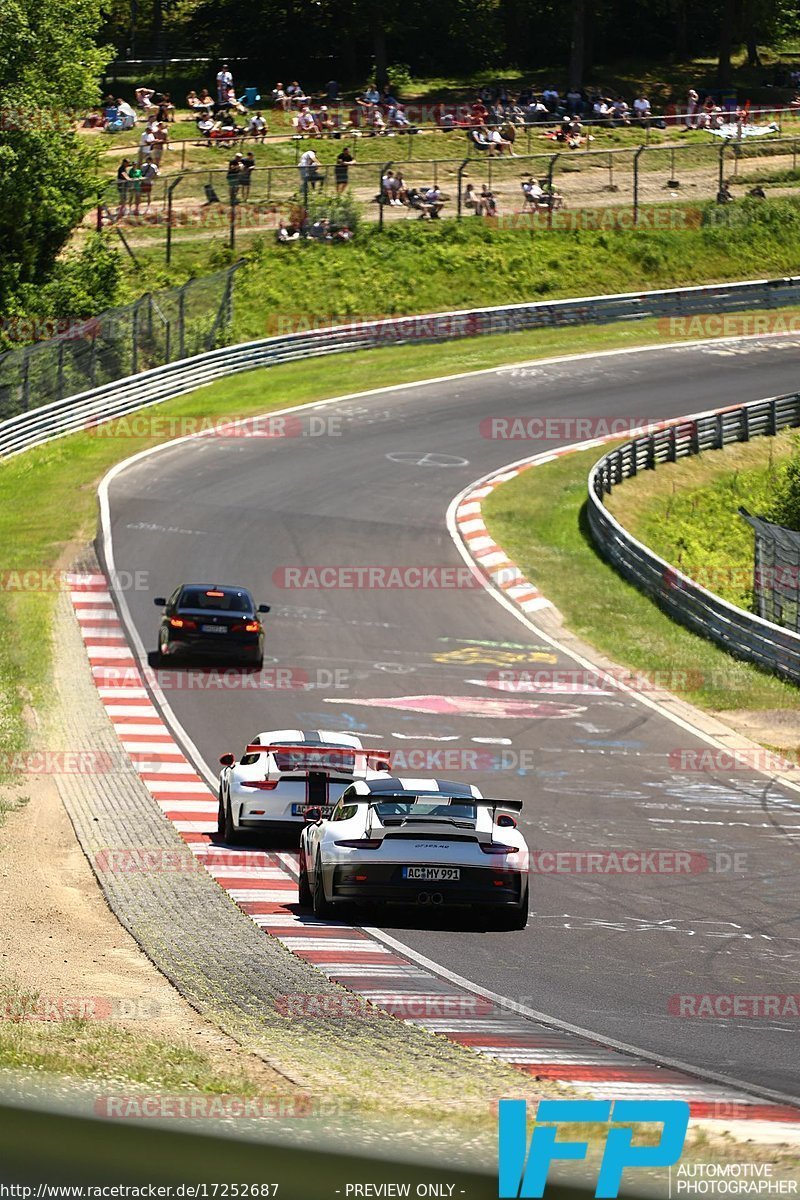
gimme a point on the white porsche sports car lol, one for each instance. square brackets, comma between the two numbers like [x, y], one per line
[416, 841]
[284, 772]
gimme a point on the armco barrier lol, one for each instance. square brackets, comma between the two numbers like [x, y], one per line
[740, 633]
[31, 428]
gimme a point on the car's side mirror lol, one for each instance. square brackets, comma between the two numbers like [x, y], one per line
[227, 760]
[263, 608]
[313, 815]
[160, 602]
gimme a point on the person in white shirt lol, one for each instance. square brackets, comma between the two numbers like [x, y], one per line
[641, 108]
[126, 114]
[306, 123]
[224, 83]
[146, 143]
[308, 165]
[498, 143]
[532, 191]
[257, 127]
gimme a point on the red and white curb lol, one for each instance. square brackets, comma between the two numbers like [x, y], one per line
[263, 885]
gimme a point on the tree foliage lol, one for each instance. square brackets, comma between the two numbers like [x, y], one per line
[49, 70]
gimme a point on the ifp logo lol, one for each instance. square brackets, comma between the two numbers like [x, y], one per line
[523, 1169]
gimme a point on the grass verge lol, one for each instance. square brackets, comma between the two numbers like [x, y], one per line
[539, 519]
[688, 512]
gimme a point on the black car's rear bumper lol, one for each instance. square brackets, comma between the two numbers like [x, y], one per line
[219, 646]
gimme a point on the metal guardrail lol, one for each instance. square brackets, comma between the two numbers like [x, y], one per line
[84, 409]
[739, 632]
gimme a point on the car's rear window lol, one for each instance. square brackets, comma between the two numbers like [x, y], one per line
[426, 808]
[215, 598]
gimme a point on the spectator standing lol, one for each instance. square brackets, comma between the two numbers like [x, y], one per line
[135, 177]
[308, 166]
[246, 167]
[123, 186]
[146, 143]
[160, 141]
[149, 173]
[279, 97]
[332, 91]
[224, 83]
[234, 178]
[341, 171]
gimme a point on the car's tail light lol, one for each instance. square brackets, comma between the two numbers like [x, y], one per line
[182, 623]
[248, 627]
[498, 848]
[360, 843]
[262, 785]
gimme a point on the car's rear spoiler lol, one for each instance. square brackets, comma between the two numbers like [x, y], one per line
[318, 754]
[482, 802]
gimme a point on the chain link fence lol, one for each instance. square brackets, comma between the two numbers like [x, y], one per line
[647, 186]
[776, 574]
[158, 328]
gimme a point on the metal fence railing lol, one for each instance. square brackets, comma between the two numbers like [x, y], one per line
[741, 633]
[156, 329]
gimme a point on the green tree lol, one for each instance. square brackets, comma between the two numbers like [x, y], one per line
[49, 68]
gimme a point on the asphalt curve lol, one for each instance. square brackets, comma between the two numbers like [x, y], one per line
[606, 952]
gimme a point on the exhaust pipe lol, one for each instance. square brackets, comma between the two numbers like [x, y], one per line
[423, 898]
[437, 898]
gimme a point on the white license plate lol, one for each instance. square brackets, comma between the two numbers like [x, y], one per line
[213, 629]
[300, 810]
[432, 874]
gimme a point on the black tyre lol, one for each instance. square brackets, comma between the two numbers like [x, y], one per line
[220, 815]
[512, 918]
[304, 897]
[231, 833]
[322, 907]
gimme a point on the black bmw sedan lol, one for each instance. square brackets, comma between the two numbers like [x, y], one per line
[212, 620]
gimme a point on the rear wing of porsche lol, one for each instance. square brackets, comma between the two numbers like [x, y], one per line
[326, 759]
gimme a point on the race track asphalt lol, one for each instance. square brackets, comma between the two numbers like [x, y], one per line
[603, 951]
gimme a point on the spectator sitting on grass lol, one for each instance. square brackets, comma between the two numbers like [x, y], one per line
[205, 125]
[306, 125]
[574, 101]
[370, 95]
[432, 203]
[345, 234]
[641, 108]
[257, 127]
[205, 99]
[620, 112]
[193, 100]
[499, 144]
[126, 114]
[400, 189]
[487, 202]
[600, 109]
[471, 199]
[532, 191]
[479, 113]
[295, 95]
[144, 96]
[324, 120]
[286, 233]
